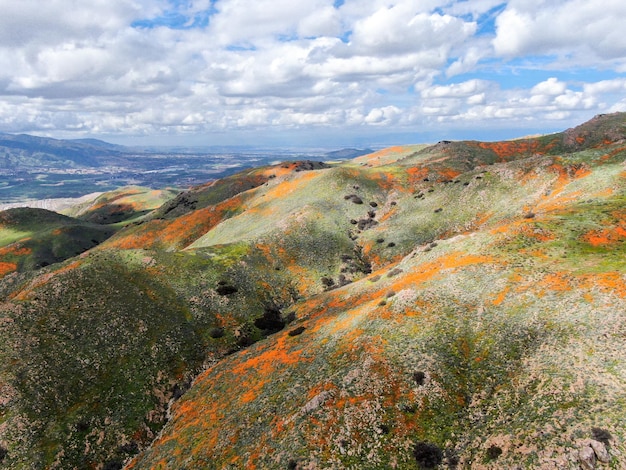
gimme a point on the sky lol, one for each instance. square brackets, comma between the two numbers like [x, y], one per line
[325, 73]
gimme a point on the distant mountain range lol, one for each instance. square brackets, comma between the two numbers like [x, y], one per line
[27, 150]
[24, 150]
[36, 168]
[459, 305]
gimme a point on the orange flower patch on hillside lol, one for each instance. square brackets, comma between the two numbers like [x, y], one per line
[608, 236]
[555, 202]
[422, 273]
[416, 174]
[435, 268]
[536, 233]
[15, 250]
[611, 282]
[501, 296]
[515, 148]
[180, 232]
[288, 186]
[146, 236]
[258, 369]
[6, 268]
[612, 154]
[384, 156]
[448, 173]
[558, 281]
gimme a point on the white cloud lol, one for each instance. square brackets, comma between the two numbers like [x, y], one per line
[582, 30]
[464, 89]
[279, 64]
[325, 21]
[551, 86]
[398, 30]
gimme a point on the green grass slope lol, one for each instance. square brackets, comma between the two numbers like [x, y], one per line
[455, 306]
[33, 238]
[122, 205]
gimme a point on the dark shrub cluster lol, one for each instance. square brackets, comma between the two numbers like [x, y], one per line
[601, 435]
[494, 452]
[308, 165]
[354, 198]
[427, 455]
[271, 321]
[113, 465]
[216, 332]
[224, 288]
[364, 224]
[394, 272]
[297, 331]
[419, 377]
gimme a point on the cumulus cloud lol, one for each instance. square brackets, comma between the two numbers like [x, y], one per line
[585, 31]
[167, 67]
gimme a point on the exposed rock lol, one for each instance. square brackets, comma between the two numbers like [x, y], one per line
[317, 401]
[587, 458]
[600, 450]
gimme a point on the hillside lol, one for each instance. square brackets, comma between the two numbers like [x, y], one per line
[451, 306]
[31, 151]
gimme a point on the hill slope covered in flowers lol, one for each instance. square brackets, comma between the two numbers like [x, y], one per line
[454, 305]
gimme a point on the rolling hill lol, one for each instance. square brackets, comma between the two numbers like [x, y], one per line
[459, 305]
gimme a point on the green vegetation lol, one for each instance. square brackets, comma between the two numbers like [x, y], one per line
[454, 306]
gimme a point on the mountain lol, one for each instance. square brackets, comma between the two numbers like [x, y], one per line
[30, 151]
[450, 306]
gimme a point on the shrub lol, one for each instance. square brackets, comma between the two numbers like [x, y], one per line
[113, 465]
[354, 198]
[224, 288]
[427, 455]
[297, 331]
[419, 377]
[3, 453]
[391, 245]
[373, 204]
[271, 321]
[494, 452]
[216, 332]
[394, 272]
[601, 435]
[364, 224]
